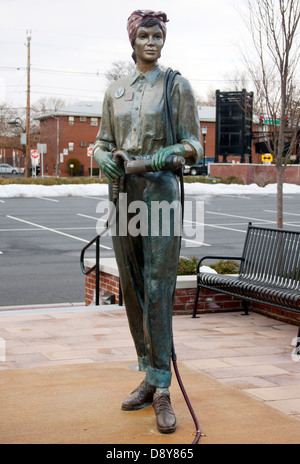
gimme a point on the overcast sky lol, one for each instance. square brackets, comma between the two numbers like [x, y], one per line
[74, 42]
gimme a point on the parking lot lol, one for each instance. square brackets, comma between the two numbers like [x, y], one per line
[41, 240]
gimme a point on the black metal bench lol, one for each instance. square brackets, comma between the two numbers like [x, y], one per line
[269, 271]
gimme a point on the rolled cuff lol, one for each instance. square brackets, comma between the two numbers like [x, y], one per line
[158, 378]
[103, 146]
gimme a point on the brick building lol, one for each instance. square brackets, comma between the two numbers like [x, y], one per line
[68, 133]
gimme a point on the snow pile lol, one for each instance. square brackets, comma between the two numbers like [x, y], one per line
[15, 190]
[208, 270]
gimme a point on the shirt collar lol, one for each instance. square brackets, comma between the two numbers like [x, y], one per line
[150, 76]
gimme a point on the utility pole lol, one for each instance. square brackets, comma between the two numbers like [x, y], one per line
[28, 159]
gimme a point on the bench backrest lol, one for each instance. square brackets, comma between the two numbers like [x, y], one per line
[272, 256]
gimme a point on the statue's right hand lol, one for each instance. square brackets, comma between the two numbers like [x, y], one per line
[107, 165]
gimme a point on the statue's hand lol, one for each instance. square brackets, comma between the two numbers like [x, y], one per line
[107, 165]
[159, 159]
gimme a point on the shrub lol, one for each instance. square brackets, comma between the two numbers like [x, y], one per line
[188, 266]
[195, 179]
[232, 180]
[226, 267]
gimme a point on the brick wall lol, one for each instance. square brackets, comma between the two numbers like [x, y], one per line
[108, 284]
[261, 175]
[209, 301]
[282, 315]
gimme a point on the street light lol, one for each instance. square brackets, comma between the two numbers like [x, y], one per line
[204, 133]
[18, 123]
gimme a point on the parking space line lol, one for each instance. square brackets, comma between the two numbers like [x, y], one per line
[54, 231]
[196, 243]
[214, 226]
[47, 199]
[2, 201]
[263, 221]
[41, 230]
[289, 214]
[92, 217]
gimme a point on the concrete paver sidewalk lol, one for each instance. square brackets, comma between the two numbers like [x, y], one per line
[252, 354]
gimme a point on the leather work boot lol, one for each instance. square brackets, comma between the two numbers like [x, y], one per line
[165, 417]
[141, 397]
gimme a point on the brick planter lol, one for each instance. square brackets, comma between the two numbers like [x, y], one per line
[184, 296]
[209, 301]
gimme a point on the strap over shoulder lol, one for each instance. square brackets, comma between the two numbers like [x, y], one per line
[169, 118]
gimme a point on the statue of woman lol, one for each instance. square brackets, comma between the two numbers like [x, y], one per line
[133, 121]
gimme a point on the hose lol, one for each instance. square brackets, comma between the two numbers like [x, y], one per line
[198, 433]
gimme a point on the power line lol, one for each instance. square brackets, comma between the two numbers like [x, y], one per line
[53, 71]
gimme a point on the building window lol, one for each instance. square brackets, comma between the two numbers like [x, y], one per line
[71, 120]
[71, 146]
[82, 144]
[94, 121]
[83, 118]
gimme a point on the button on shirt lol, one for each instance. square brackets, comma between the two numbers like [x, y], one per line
[133, 114]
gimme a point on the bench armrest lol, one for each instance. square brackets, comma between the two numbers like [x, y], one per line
[233, 258]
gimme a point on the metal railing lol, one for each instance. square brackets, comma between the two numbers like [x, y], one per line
[85, 271]
[96, 267]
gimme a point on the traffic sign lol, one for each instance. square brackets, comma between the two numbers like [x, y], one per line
[267, 158]
[90, 151]
[272, 122]
[34, 154]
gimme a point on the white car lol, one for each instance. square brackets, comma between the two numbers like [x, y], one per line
[8, 169]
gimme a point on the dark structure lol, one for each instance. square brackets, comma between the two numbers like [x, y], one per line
[234, 114]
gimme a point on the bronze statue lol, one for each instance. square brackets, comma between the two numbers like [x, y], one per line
[133, 121]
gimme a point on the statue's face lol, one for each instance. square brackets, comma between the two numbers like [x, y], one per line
[148, 44]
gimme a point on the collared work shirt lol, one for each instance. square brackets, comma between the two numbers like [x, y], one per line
[133, 115]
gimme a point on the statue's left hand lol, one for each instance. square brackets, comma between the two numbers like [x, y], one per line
[159, 159]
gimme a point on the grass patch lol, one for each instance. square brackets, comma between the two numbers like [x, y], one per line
[52, 180]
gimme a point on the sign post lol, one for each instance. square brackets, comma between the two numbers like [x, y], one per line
[42, 148]
[90, 154]
[35, 159]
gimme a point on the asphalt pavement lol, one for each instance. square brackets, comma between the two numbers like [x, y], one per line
[41, 239]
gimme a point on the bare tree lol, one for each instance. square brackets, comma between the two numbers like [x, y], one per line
[273, 25]
[47, 105]
[119, 69]
[8, 114]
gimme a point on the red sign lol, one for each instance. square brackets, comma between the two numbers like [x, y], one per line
[34, 154]
[90, 151]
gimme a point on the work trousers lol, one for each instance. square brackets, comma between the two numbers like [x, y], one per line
[148, 265]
